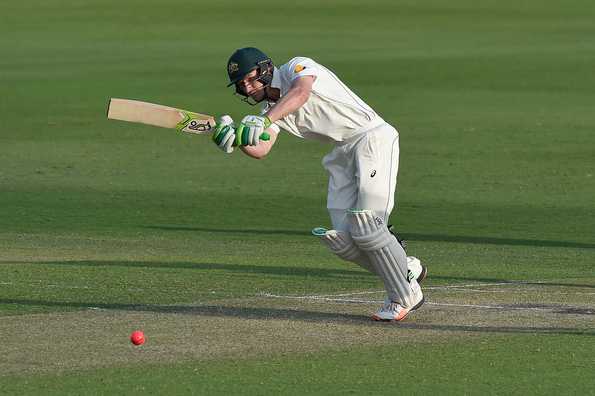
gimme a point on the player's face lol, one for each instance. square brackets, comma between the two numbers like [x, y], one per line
[252, 87]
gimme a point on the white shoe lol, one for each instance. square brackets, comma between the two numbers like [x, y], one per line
[416, 270]
[393, 311]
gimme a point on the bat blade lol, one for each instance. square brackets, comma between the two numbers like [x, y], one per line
[159, 115]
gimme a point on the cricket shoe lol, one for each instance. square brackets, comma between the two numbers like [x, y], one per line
[392, 311]
[416, 270]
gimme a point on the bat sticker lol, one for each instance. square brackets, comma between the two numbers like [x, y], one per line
[199, 125]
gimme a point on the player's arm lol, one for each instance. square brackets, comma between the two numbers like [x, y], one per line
[264, 146]
[296, 96]
[226, 137]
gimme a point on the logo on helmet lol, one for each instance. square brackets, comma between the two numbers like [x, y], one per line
[233, 67]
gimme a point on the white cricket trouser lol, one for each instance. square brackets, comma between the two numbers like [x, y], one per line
[363, 175]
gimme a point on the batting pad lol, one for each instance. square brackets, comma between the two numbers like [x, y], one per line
[342, 245]
[385, 254]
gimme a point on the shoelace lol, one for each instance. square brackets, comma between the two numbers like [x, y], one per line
[392, 307]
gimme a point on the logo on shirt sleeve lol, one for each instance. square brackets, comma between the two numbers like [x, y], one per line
[298, 68]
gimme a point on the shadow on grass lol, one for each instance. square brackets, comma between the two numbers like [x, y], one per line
[302, 315]
[231, 231]
[280, 270]
[500, 281]
[407, 236]
[249, 269]
[496, 241]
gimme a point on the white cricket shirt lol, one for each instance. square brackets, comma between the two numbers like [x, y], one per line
[333, 113]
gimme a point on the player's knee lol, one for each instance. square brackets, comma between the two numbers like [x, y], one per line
[368, 231]
[339, 242]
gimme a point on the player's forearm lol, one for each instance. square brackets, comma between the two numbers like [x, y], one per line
[262, 149]
[293, 100]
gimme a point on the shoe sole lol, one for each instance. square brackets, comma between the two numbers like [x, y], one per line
[420, 278]
[416, 306]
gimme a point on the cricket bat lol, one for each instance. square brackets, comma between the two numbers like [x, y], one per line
[162, 116]
[159, 115]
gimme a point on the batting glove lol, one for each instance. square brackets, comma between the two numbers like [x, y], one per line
[250, 129]
[224, 135]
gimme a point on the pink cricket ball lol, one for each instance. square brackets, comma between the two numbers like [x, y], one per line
[137, 337]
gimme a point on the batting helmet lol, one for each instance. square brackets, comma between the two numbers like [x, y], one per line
[243, 61]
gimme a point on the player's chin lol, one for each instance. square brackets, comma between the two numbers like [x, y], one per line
[257, 96]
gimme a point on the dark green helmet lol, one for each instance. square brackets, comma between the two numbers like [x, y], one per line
[244, 60]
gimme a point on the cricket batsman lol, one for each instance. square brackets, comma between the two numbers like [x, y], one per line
[309, 101]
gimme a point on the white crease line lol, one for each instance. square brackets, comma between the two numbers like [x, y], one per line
[518, 291]
[447, 287]
[476, 285]
[588, 310]
[320, 298]
[450, 287]
[490, 307]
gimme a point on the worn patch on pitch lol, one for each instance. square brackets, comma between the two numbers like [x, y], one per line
[57, 342]
[271, 324]
[522, 307]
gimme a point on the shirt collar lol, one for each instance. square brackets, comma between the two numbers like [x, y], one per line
[276, 82]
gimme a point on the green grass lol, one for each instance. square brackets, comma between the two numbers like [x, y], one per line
[493, 102]
[484, 366]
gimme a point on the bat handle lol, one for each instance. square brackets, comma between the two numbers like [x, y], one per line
[265, 136]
